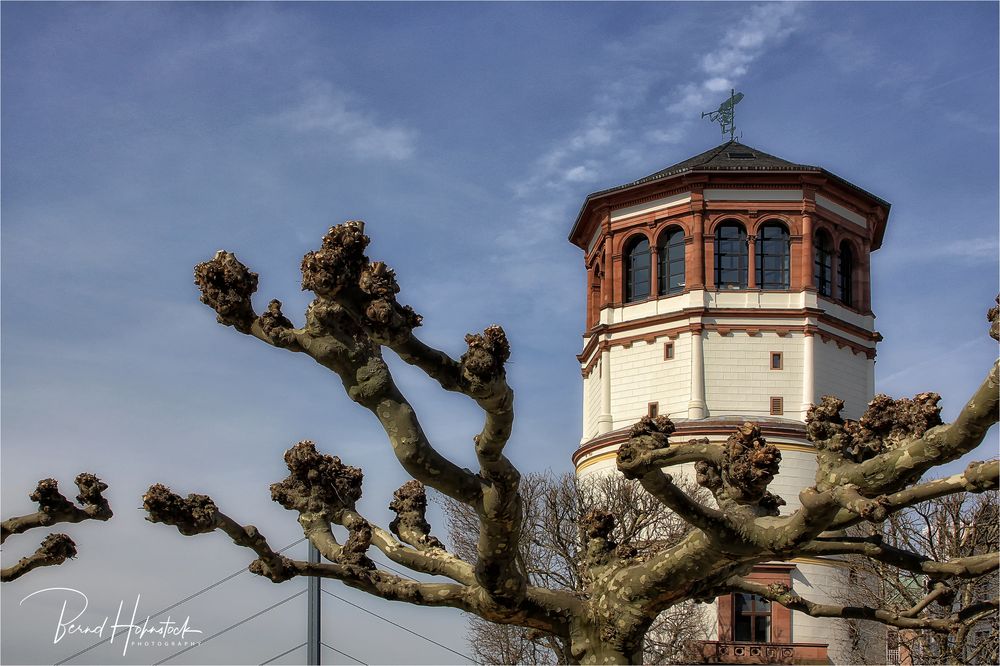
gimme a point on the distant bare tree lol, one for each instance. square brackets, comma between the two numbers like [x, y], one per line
[945, 528]
[552, 548]
[54, 508]
[867, 470]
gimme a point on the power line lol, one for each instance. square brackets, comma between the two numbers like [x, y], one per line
[279, 656]
[385, 619]
[231, 627]
[343, 653]
[175, 605]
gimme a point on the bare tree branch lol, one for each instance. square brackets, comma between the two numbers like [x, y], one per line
[789, 599]
[54, 508]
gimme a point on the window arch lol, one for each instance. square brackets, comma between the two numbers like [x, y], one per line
[670, 253]
[730, 256]
[637, 269]
[845, 274]
[773, 262]
[823, 263]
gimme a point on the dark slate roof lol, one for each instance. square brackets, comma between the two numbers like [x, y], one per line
[731, 156]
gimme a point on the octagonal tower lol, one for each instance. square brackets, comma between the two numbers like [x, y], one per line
[732, 286]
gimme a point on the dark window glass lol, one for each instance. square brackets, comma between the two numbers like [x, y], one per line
[776, 360]
[752, 618]
[730, 256]
[845, 274]
[773, 257]
[823, 264]
[671, 258]
[637, 271]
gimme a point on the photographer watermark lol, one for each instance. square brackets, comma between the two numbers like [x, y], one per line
[127, 629]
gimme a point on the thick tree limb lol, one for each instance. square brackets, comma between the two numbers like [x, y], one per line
[54, 550]
[904, 432]
[978, 477]
[356, 300]
[334, 340]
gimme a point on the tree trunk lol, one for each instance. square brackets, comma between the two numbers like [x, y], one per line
[590, 648]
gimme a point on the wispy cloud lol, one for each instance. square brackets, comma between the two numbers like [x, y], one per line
[625, 127]
[340, 116]
[764, 27]
[967, 250]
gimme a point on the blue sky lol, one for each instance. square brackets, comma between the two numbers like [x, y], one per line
[139, 138]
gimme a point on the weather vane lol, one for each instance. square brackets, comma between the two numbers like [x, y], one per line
[724, 114]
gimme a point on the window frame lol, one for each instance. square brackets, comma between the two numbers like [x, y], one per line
[752, 616]
[671, 248]
[845, 274]
[738, 255]
[762, 246]
[632, 260]
[823, 263]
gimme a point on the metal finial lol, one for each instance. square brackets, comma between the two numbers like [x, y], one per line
[724, 115]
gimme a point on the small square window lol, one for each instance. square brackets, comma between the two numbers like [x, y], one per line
[776, 361]
[668, 351]
[653, 410]
[777, 406]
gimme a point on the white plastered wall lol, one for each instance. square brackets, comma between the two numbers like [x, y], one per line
[843, 373]
[591, 402]
[738, 376]
[640, 375]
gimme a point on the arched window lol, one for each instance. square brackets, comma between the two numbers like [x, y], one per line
[773, 263]
[823, 263]
[637, 269]
[845, 274]
[670, 250]
[731, 256]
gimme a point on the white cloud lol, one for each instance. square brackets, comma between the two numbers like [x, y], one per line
[337, 115]
[971, 249]
[968, 250]
[579, 174]
[718, 84]
[764, 27]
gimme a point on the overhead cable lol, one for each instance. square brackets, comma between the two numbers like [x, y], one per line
[406, 629]
[279, 656]
[343, 653]
[231, 627]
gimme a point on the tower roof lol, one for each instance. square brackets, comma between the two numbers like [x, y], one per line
[730, 157]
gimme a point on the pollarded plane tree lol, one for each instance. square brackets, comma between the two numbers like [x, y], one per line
[54, 508]
[867, 470]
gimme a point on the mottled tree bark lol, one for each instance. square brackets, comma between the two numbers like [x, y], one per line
[867, 471]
